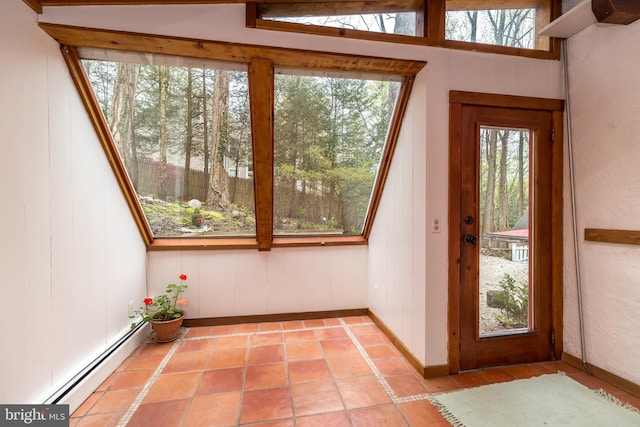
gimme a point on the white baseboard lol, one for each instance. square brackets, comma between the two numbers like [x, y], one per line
[80, 387]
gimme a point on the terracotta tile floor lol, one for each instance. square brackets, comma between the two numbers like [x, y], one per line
[323, 372]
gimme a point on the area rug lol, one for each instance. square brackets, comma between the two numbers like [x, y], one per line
[549, 400]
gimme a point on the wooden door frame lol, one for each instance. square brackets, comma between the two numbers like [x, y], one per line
[556, 107]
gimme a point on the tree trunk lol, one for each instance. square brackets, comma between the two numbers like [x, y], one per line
[162, 107]
[121, 120]
[521, 174]
[236, 161]
[472, 16]
[165, 179]
[405, 24]
[293, 193]
[380, 18]
[189, 140]
[503, 200]
[205, 132]
[219, 138]
[491, 144]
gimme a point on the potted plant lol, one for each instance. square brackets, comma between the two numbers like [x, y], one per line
[162, 312]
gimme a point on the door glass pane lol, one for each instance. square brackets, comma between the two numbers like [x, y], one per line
[505, 253]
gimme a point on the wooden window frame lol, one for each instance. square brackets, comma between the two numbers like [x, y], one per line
[261, 61]
[38, 4]
[430, 22]
[256, 9]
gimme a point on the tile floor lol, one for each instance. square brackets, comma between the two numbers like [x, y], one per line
[323, 372]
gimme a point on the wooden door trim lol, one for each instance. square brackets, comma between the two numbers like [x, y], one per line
[557, 185]
[455, 128]
[456, 100]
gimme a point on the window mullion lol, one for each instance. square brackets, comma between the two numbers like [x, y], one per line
[261, 87]
[435, 21]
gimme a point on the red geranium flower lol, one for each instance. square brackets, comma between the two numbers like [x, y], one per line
[163, 307]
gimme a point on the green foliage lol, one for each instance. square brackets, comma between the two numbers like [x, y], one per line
[329, 135]
[514, 302]
[514, 167]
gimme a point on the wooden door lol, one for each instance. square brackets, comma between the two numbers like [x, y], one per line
[506, 217]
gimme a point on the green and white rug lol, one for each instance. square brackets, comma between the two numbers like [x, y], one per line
[548, 400]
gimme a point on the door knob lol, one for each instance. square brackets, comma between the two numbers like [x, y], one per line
[471, 239]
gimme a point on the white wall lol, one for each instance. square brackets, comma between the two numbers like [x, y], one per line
[407, 263]
[72, 257]
[397, 247]
[605, 98]
[284, 280]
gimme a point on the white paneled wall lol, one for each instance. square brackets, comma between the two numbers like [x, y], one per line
[408, 263]
[605, 98]
[397, 244]
[72, 257]
[286, 280]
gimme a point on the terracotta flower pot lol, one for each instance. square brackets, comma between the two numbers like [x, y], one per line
[167, 330]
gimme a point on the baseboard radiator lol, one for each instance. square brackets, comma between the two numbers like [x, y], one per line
[76, 390]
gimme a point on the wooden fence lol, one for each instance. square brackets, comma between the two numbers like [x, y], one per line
[167, 182]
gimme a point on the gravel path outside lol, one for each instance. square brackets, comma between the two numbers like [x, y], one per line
[492, 270]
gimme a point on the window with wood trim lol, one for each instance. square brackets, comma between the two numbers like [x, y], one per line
[513, 23]
[385, 17]
[499, 26]
[217, 145]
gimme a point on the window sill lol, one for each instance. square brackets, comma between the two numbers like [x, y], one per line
[251, 243]
[202, 244]
[297, 242]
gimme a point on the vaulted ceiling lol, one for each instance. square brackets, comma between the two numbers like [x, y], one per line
[37, 5]
[607, 11]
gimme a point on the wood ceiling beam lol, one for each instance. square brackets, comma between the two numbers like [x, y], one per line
[332, 8]
[451, 4]
[127, 2]
[223, 51]
[161, 2]
[493, 4]
[34, 4]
